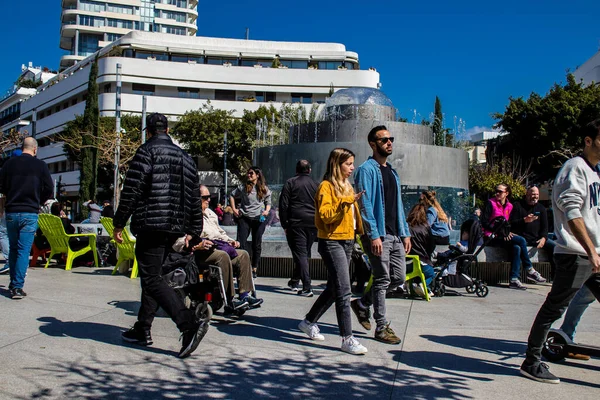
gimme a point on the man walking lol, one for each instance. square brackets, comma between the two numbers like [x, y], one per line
[387, 238]
[27, 184]
[529, 219]
[161, 196]
[576, 204]
[297, 216]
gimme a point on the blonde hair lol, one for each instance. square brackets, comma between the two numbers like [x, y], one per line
[334, 174]
[430, 201]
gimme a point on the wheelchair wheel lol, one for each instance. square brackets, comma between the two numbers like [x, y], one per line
[471, 288]
[482, 290]
[554, 348]
[204, 312]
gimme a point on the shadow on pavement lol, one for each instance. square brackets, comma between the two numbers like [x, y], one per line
[507, 349]
[102, 333]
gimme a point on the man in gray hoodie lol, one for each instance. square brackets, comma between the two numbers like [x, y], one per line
[576, 203]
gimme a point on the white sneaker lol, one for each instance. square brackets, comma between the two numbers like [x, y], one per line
[418, 289]
[311, 330]
[352, 346]
[535, 276]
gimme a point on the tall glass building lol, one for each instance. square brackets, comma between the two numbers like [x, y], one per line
[88, 25]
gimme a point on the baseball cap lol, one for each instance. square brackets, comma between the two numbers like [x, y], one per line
[156, 123]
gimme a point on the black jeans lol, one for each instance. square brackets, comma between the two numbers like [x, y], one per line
[571, 274]
[300, 241]
[336, 256]
[245, 227]
[151, 250]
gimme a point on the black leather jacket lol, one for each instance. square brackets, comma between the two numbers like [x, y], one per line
[161, 191]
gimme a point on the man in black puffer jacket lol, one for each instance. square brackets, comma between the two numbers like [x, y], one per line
[161, 195]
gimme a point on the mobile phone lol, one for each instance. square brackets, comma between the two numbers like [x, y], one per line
[537, 213]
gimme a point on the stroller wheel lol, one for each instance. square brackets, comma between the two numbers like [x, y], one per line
[440, 291]
[482, 291]
[471, 288]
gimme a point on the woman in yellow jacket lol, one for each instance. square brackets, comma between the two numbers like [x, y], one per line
[337, 218]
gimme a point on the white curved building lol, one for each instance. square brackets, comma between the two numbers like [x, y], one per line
[88, 25]
[181, 73]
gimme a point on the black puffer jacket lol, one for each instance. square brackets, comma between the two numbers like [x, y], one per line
[161, 191]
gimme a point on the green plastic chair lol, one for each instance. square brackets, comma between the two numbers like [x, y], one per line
[126, 250]
[416, 272]
[53, 229]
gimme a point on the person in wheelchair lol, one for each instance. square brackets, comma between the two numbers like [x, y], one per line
[224, 252]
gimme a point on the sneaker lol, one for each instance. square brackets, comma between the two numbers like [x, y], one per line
[539, 372]
[351, 346]
[191, 338]
[4, 269]
[311, 330]
[137, 336]
[294, 286]
[17, 294]
[516, 284]
[306, 293]
[534, 276]
[362, 314]
[236, 304]
[386, 334]
[253, 302]
[418, 289]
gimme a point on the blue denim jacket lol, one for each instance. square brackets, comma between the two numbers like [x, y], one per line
[368, 178]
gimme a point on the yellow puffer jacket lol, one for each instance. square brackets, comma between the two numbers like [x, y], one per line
[333, 216]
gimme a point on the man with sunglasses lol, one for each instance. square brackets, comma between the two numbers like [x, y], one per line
[387, 238]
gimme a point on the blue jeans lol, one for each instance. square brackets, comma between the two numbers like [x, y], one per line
[519, 255]
[4, 245]
[336, 257]
[21, 229]
[579, 304]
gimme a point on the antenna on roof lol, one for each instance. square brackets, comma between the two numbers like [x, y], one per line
[247, 33]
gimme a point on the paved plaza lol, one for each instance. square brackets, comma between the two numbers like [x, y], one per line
[63, 341]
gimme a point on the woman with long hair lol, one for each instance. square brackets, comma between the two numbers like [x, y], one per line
[338, 220]
[254, 204]
[423, 243]
[436, 218]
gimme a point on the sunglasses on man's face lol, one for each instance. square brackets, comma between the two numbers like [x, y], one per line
[500, 191]
[207, 197]
[384, 140]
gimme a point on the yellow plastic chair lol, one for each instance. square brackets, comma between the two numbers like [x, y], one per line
[126, 249]
[53, 229]
[416, 271]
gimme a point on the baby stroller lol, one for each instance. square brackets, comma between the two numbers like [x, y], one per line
[455, 265]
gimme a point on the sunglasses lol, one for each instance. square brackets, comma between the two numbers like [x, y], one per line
[384, 140]
[207, 197]
[500, 191]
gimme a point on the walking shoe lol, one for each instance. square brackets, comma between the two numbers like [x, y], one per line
[538, 372]
[137, 336]
[418, 289]
[362, 314]
[534, 276]
[191, 338]
[351, 346]
[254, 274]
[236, 304]
[516, 284]
[577, 356]
[311, 330]
[4, 269]
[17, 294]
[386, 334]
[294, 286]
[306, 293]
[253, 302]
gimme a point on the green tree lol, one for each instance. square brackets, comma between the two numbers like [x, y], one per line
[483, 179]
[543, 130]
[88, 180]
[438, 123]
[202, 133]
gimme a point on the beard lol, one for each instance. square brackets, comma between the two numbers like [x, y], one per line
[383, 152]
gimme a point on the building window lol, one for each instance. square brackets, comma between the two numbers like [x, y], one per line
[143, 89]
[296, 64]
[329, 64]
[128, 53]
[111, 37]
[93, 6]
[188, 93]
[119, 9]
[107, 88]
[187, 58]
[147, 54]
[262, 97]
[88, 44]
[173, 30]
[226, 95]
[221, 60]
[74, 101]
[120, 23]
[304, 98]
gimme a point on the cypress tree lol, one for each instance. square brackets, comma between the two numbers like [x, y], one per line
[438, 123]
[88, 180]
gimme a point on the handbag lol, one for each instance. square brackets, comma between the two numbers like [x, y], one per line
[226, 247]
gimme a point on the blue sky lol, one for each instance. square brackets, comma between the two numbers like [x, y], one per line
[472, 54]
